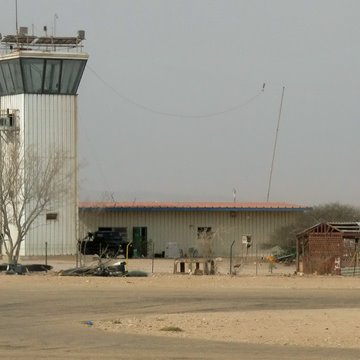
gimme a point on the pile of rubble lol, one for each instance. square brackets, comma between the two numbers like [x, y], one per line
[19, 269]
[97, 270]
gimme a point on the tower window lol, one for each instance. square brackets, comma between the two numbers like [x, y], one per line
[52, 77]
[51, 216]
[71, 75]
[40, 76]
[33, 75]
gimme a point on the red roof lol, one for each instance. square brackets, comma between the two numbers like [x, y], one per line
[191, 205]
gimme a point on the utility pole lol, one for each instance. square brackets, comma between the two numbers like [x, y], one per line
[275, 144]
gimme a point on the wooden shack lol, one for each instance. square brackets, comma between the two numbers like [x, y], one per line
[328, 248]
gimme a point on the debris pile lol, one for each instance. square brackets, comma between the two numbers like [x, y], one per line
[97, 270]
[19, 269]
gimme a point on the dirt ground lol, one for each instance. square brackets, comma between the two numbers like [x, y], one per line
[274, 315]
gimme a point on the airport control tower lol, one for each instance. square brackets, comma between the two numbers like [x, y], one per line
[39, 79]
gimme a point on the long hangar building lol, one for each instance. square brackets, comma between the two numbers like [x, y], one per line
[155, 225]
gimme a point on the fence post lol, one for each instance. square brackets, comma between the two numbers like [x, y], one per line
[46, 245]
[153, 257]
[231, 247]
[257, 259]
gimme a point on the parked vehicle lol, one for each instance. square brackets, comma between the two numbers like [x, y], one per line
[105, 244]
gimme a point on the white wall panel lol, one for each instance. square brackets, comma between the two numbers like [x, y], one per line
[181, 226]
[50, 125]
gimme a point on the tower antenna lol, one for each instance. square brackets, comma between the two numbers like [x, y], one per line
[275, 143]
[56, 16]
[16, 18]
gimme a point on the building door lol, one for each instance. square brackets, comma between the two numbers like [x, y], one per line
[140, 241]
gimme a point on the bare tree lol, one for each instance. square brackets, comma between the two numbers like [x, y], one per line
[285, 236]
[30, 184]
[207, 240]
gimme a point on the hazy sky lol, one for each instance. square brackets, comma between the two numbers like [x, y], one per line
[207, 57]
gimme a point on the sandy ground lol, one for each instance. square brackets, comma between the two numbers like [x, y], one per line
[274, 308]
[316, 328]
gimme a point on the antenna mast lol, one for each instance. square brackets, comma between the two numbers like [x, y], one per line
[275, 143]
[16, 18]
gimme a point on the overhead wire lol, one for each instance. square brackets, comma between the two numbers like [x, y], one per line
[101, 179]
[165, 113]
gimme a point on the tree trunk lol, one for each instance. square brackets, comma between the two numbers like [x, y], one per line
[10, 256]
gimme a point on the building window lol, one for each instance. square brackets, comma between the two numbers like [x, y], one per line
[15, 70]
[7, 120]
[33, 70]
[52, 77]
[51, 216]
[72, 71]
[40, 76]
[10, 77]
[204, 231]
[3, 87]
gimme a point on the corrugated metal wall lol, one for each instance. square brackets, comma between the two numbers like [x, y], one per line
[181, 226]
[49, 122]
[14, 102]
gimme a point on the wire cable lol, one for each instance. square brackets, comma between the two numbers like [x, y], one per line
[159, 112]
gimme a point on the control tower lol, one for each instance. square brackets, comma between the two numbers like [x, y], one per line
[39, 79]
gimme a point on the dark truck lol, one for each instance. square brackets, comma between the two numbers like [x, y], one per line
[105, 244]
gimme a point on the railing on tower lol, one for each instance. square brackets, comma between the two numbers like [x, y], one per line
[23, 41]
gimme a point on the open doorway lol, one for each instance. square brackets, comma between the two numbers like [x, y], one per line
[140, 244]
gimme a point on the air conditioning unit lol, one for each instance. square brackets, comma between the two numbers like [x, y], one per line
[246, 240]
[7, 121]
[81, 34]
[23, 30]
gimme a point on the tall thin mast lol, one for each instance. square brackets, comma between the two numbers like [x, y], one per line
[16, 18]
[275, 143]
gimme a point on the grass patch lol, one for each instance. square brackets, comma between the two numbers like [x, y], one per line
[171, 328]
